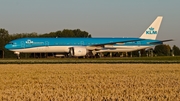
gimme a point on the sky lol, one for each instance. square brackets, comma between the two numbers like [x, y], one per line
[100, 18]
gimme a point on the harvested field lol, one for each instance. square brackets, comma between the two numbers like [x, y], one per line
[87, 82]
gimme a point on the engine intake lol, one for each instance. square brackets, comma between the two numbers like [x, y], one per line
[78, 51]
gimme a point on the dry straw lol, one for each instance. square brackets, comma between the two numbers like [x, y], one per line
[87, 82]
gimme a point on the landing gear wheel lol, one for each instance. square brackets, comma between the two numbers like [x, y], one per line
[18, 57]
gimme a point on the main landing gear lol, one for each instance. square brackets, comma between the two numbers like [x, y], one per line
[93, 54]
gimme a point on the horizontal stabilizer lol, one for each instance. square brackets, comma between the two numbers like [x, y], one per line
[161, 41]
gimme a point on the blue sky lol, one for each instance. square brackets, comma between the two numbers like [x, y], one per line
[101, 18]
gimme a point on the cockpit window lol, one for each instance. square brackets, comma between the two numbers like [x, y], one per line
[11, 43]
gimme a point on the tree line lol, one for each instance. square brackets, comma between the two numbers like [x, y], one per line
[5, 37]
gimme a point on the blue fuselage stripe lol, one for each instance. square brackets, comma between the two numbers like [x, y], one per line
[40, 42]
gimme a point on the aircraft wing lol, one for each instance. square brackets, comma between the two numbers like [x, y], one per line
[118, 42]
[161, 41]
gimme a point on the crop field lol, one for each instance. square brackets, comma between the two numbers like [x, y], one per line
[90, 82]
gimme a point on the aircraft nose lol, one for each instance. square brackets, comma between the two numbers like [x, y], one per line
[8, 46]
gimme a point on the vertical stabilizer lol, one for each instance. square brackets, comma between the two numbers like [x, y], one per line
[153, 29]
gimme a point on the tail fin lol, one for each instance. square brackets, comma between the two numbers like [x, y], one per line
[152, 31]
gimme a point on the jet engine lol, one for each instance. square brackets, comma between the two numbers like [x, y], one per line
[78, 51]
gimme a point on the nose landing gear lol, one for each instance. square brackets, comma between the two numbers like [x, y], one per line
[18, 55]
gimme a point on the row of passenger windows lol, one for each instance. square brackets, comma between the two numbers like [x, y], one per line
[75, 43]
[82, 43]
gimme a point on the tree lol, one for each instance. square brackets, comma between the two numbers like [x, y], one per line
[162, 50]
[79, 33]
[67, 33]
[58, 33]
[3, 37]
[176, 50]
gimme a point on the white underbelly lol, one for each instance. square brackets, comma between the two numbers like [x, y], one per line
[46, 49]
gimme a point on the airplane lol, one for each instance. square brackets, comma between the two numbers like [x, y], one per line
[77, 47]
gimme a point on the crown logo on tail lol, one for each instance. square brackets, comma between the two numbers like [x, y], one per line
[151, 29]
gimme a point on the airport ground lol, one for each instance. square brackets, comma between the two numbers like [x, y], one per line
[87, 82]
[107, 60]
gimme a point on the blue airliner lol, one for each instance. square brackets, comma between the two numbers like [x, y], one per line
[85, 46]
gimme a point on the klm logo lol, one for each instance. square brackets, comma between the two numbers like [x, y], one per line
[151, 31]
[29, 42]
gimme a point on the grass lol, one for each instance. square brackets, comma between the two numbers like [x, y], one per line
[152, 60]
[105, 58]
[90, 82]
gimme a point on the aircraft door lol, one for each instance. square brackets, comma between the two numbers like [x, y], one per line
[22, 44]
[46, 48]
[139, 43]
[46, 43]
[82, 43]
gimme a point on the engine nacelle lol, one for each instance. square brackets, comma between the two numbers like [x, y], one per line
[78, 51]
